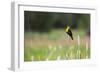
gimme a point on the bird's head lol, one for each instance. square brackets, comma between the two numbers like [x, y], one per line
[67, 28]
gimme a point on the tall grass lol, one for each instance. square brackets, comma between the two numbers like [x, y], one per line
[55, 46]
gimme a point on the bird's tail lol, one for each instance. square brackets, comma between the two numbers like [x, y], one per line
[72, 37]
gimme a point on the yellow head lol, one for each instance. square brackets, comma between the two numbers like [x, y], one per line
[67, 29]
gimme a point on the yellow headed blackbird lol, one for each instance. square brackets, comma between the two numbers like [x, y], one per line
[69, 32]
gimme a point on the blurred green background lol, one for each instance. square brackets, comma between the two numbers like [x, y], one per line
[45, 37]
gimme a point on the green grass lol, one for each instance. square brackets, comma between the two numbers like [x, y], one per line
[41, 54]
[63, 51]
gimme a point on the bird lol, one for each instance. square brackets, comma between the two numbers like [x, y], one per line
[69, 32]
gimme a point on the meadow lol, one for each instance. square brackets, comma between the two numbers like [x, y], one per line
[56, 45]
